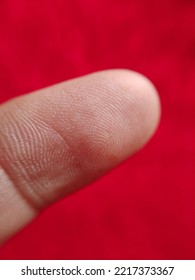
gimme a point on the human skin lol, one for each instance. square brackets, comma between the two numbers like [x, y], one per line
[61, 138]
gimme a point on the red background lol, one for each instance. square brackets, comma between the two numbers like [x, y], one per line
[145, 208]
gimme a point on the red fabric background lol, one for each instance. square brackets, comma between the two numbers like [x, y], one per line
[145, 208]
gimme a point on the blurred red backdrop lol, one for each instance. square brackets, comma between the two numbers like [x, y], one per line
[145, 208]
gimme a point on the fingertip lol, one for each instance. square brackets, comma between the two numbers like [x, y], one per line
[139, 103]
[148, 100]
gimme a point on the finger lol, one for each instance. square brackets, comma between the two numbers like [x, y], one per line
[61, 138]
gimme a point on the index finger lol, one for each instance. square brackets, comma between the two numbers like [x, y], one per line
[57, 140]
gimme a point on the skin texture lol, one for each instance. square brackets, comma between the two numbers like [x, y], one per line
[59, 139]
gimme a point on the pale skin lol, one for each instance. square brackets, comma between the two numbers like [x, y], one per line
[61, 138]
